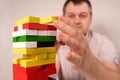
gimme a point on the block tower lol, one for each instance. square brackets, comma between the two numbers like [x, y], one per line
[35, 39]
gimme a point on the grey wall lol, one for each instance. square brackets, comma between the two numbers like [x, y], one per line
[106, 20]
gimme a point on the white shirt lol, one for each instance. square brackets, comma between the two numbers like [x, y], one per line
[101, 47]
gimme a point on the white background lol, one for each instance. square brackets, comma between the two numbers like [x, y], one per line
[106, 20]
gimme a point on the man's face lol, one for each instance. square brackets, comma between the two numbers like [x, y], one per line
[78, 16]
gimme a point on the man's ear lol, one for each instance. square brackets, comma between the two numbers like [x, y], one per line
[91, 16]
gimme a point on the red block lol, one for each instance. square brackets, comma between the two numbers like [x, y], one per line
[36, 26]
[20, 76]
[50, 66]
[33, 73]
[15, 28]
[51, 69]
[27, 70]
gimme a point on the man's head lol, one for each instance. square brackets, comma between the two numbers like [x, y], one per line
[77, 2]
[78, 14]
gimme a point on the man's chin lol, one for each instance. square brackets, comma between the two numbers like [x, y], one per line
[82, 32]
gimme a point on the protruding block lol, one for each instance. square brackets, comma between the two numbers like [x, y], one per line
[30, 63]
[17, 60]
[48, 20]
[29, 19]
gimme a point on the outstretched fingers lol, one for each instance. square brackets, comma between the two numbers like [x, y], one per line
[70, 41]
[67, 29]
[75, 60]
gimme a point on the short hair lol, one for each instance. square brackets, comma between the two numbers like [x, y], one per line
[76, 2]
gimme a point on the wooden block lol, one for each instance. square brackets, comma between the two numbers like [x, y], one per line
[29, 70]
[35, 69]
[35, 26]
[25, 45]
[29, 19]
[32, 26]
[41, 56]
[34, 39]
[45, 44]
[33, 73]
[27, 51]
[30, 63]
[50, 66]
[51, 33]
[42, 32]
[48, 20]
[29, 56]
[16, 60]
[15, 28]
[18, 74]
[24, 32]
[20, 27]
[51, 55]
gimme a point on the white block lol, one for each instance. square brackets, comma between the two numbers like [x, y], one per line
[25, 45]
[52, 33]
[20, 27]
[24, 32]
[57, 35]
[42, 32]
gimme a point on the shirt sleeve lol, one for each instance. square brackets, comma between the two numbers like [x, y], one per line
[108, 52]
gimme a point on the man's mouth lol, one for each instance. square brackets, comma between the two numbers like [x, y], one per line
[79, 27]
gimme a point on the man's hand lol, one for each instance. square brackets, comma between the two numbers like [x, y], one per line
[75, 40]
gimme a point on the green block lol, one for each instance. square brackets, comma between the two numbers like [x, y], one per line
[34, 39]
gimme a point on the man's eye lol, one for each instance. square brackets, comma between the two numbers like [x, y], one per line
[83, 16]
[70, 16]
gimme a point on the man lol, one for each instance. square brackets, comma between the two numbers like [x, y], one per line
[85, 55]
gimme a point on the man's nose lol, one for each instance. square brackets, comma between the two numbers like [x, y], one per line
[77, 20]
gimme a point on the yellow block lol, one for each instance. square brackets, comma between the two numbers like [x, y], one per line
[27, 51]
[29, 19]
[17, 60]
[36, 56]
[28, 56]
[41, 56]
[48, 20]
[51, 55]
[32, 62]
